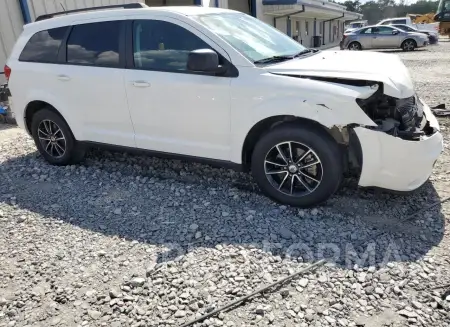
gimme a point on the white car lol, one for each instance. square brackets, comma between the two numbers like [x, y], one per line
[222, 87]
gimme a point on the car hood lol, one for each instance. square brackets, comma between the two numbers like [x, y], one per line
[371, 66]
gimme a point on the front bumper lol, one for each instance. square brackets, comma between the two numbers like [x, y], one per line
[395, 164]
[422, 44]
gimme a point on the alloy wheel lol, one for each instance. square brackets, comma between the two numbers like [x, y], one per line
[409, 45]
[353, 46]
[293, 168]
[52, 138]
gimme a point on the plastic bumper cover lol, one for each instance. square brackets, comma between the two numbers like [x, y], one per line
[393, 163]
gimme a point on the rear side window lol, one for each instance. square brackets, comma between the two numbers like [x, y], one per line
[44, 46]
[95, 44]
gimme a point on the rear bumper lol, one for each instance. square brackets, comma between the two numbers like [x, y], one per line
[395, 164]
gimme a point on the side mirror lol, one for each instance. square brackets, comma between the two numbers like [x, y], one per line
[394, 32]
[203, 60]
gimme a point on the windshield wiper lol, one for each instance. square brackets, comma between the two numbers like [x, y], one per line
[303, 52]
[273, 59]
[285, 57]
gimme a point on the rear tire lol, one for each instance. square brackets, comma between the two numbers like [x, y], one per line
[54, 139]
[298, 165]
[355, 46]
[409, 45]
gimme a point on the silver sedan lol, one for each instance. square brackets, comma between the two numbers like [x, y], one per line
[382, 37]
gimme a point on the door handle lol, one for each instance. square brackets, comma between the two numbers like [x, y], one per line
[64, 78]
[141, 84]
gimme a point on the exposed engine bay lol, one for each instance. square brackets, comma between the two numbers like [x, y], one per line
[402, 118]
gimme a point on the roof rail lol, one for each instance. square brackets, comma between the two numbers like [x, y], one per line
[124, 6]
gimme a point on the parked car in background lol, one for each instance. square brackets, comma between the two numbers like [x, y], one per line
[430, 27]
[433, 37]
[355, 25]
[382, 37]
[297, 118]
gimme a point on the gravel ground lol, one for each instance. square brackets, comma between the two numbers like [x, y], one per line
[128, 240]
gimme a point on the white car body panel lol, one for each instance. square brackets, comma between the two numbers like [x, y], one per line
[210, 117]
[392, 163]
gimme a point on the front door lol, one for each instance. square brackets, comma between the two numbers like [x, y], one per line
[174, 110]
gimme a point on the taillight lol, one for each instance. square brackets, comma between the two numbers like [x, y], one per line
[7, 71]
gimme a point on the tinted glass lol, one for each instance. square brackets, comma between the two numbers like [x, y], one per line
[366, 31]
[384, 30]
[44, 46]
[95, 44]
[160, 45]
[399, 21]
[404, 28]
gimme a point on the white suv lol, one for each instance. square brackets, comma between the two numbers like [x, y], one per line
[222, 87]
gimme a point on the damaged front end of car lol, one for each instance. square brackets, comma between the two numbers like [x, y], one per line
[400, 151]
[403, 118]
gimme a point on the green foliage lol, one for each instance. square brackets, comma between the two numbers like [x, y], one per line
[374, 11]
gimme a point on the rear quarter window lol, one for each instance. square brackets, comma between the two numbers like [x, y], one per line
[44, 46]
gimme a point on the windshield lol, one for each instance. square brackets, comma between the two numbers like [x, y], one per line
[253, 38]
[443, 6]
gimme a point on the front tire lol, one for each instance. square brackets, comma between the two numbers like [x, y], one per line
[297, 165]
[409, 45]
[54, 139]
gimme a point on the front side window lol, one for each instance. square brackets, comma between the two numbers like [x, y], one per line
[44, 46]
[94, 44]
[403, 27]
[163, 46]
[253, 38]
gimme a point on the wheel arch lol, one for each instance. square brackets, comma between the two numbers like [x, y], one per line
[269, 123]
[409, 39]
[360, 45]
[36, 105]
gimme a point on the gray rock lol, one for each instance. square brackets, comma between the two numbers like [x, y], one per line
[303, 282]
[137, 281]
[286, 233]
[114, 293]
[95, 315]
[407, 313]
[180, 314]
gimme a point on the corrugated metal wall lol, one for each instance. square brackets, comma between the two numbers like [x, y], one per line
[40, 7]
[11, 19]
[11, 23]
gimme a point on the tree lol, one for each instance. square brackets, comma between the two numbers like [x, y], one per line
[352, 5]
[376, 10]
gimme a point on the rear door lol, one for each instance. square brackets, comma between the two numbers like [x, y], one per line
[91, 82]
[365, 38]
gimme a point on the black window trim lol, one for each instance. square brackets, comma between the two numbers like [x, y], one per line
[62, 55]
[61, 46]
[231, 71]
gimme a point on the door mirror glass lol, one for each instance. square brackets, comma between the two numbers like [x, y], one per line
[394, 32]
[203, 60]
